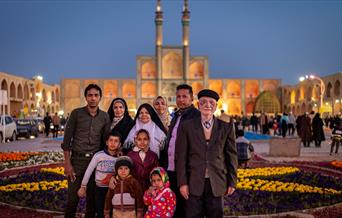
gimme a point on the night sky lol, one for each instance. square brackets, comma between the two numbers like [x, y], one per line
[101, 39]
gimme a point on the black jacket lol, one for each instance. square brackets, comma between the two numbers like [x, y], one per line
[188, 114]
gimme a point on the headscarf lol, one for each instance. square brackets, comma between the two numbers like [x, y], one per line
[155, 128]
[120, 124]
[164, 117]
[163, 175]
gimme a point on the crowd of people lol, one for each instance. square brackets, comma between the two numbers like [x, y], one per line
[308, 126]
[155, 165]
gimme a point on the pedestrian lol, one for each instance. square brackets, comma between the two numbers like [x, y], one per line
[186, 111]
[305, 129]
[103, 163]
[245, 149]
[291, 124]
[159, 198]
[120, 119]
[55, 121]
[144, 159]
[206, 160]
[47, 122]
[284, 120]
[125, 200]
[317, 130]
[85, 134]
[336, 137]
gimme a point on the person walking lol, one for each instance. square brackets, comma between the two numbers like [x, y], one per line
[206, 160]
[55, 121]
[186, 111]
[47, 122]
[317, 130]
[85, 134]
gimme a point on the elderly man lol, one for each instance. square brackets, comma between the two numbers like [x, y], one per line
[206, 160]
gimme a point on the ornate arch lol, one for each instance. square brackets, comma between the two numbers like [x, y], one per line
[12, 90]
[267, 102]
[172, 66]
[20, 91]
[148, 70]
[328, 92]
[196, 70]
[337, 88]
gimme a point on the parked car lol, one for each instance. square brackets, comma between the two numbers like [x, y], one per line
[8, 128]
[27, 128]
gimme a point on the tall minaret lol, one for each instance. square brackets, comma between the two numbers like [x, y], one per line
[186, 50]
[159, 42]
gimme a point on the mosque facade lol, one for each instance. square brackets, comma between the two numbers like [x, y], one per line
[159, 74]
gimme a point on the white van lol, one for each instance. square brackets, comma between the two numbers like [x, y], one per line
[7, 125]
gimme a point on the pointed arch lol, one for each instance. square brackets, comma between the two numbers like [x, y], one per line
[196, 70]
[20, 91]
[148, 70]
[267, 102]
[172, 66]
[328, 92]
[12, 90]
[337, 88]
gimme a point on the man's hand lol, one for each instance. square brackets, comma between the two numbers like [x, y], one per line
[184, 190]
[230, 191]
[82, 192]
[112, 183]
[69, 171]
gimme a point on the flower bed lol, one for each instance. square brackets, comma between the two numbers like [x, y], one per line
[10, 160]
[259, 191]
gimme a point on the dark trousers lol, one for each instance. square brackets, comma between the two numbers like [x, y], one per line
[206, 205]
[334, 143]
[80, 166]
[180, 201]
[47, 130]
[291, 128]
[100, 197]
[55, 131]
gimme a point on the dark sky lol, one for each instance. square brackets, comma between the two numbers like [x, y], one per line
[101, 39]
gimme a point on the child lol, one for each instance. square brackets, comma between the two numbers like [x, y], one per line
[336, 137]
[126, 195]
[103, 162]
[159, 198]
[244, 149]
[143, 158]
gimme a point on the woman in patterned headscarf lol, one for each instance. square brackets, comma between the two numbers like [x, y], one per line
[120, 118]
[160, 105]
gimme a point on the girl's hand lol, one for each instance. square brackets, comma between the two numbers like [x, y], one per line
[112, 183]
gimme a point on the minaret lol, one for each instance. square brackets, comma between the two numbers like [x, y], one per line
[159, 42]
[186, 50]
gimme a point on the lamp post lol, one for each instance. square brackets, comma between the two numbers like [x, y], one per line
[322, 85]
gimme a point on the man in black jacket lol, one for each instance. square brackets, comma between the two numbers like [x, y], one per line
[184, 98]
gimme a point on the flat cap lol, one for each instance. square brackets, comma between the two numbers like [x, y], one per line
[208, 93]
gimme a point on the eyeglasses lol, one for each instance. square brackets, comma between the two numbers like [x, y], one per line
[204, 101]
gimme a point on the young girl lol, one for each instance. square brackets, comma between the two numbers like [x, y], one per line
[159, 198]
[143, 158]
[103, 162]
[126, 198]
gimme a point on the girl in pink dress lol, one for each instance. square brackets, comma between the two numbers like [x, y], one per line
[159, 198]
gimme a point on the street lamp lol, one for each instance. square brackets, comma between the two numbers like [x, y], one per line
[322, 85]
